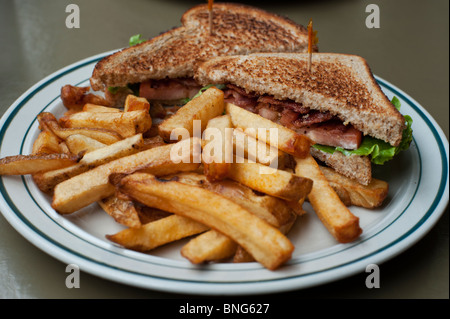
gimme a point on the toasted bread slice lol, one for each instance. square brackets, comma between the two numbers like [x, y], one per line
[237, 29]
[341, 84]
[355, 167]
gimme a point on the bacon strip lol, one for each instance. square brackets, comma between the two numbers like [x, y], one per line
[333, 133]
[74, 97]
[248, 103]
[322, 128]
[286, 104]
[168, 89]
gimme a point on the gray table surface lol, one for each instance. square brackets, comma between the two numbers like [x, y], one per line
[410, 50]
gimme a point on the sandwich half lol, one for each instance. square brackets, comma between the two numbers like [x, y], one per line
[338, 104]
[162, 67]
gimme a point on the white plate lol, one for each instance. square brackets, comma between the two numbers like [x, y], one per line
[418, 195]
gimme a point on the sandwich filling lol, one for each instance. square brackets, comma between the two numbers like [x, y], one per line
[169, 89]
[321, 127]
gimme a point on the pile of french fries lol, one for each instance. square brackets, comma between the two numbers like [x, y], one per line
[234, 206]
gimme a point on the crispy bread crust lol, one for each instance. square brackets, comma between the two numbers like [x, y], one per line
[342, 84]
[355, 167]
[237, 29]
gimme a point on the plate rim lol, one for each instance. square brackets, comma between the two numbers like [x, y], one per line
[27, 230]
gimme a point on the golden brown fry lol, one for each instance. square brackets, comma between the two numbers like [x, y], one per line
[260, 128]
[275, 211]
[336, 217]
[241, 255]
[123, 211]
[267, 244]
[134, 103]
[77, 143]
[123, 123]
[35, 163]
[276, 183]
[89, 107]
[93, 185]
[49, 122]
[218, 148]
[209, 246]
[46, 143]
[203, 108]
[213, 245]
[125, 147]
[157, 233]
[48, 180]
[353, 193]
[64, 149]
[258, 151]
[104, 136]
[74, 98]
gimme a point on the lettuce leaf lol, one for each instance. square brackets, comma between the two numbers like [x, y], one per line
[135, 39]
[134, 87]
[378, 150]
[203, 89]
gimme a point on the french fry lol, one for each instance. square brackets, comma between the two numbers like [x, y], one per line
[258, 151]
[49, 122]
[260, 128]
[209, 246]
[64, 149]
[336, 217]
[77, 143]
[157, 233]
[35, 163]
[353, 193]
[93, 185]
[277, 183]
[218, 148]
[212, 245]
[48, 180]
[46, 143]
[104, 136]
[275, 211]
[123, 211]
[89, 107]
[241, 255]
[203, 108]
[123, 123]
[134, 103]
[74, 98]
[267, 244]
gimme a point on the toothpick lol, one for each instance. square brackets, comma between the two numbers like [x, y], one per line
[310, 42]
[210, 6]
